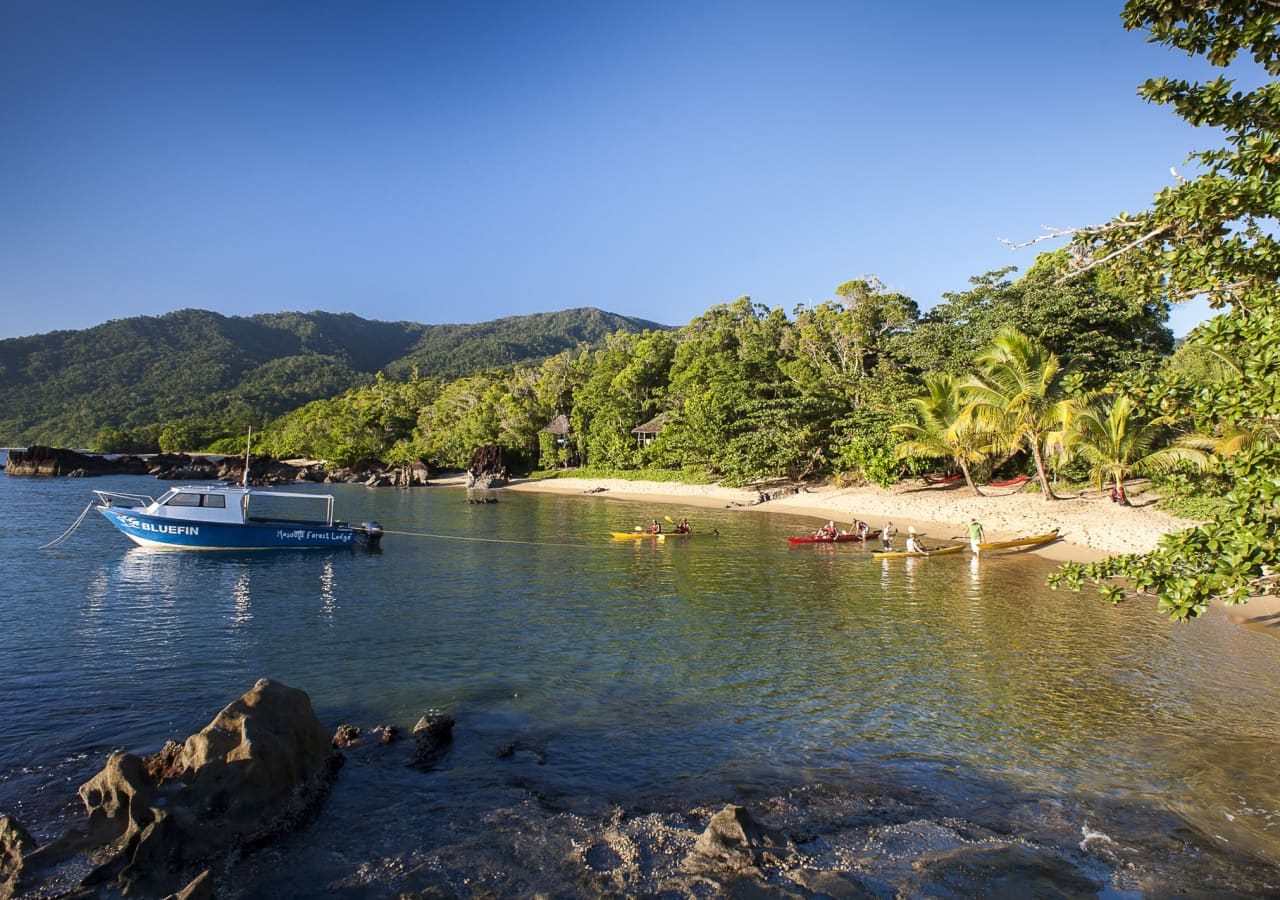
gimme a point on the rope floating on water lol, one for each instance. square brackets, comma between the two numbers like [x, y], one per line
[481, 540]
[66, 534]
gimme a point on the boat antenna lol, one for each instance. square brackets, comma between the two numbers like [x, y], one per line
[244, 482]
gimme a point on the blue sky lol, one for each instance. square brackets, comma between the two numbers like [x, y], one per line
[458, 162]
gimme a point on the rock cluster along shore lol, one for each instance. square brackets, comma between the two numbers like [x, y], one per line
[173, 821]
[263, 470]
[180, 822]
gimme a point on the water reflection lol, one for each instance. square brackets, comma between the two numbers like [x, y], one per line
[241, 599]
[328, 599]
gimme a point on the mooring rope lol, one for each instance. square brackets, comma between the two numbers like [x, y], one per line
[74, 525]
[481, 540]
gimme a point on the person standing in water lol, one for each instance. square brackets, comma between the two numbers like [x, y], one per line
[886, 535]
[976, 535]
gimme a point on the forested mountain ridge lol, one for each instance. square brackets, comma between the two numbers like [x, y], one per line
[66, 387]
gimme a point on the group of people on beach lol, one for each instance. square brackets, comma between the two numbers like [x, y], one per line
[859, 528]
[829, 532]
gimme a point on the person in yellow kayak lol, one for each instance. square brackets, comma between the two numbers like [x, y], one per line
[655, 527]
[684, 527]
[913, 541]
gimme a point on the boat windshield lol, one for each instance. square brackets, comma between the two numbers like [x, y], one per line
[279, 507]
[189, 498]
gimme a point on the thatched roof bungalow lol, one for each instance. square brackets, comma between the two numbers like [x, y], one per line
[649, 431]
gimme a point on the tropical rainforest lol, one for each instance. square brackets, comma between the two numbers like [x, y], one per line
[190, 377]
[1065, 372]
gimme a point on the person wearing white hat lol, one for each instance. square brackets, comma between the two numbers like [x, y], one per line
[913, 543]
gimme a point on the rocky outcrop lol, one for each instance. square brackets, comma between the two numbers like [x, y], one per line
[56, 461]
[255, 770]
[735, 842]
[346, 736]
[263, 470]
[486, 460]
[15, 843]
[432, 736]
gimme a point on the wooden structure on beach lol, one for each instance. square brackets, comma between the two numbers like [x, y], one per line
[647, 433]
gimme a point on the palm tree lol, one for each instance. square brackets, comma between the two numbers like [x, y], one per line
[1116, 443]
[943, 429]
[1017, 393]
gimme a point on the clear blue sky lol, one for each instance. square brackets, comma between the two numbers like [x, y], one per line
[457, 162]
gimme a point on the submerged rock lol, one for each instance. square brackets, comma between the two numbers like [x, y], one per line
[1002, 870]
[386, 733]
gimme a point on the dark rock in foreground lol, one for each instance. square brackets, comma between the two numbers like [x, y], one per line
[256, 770]
[733, 841]
[432, 735]
[15, 843]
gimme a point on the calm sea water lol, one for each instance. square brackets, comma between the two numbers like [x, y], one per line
[733, 668]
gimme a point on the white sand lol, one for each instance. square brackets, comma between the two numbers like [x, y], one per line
[1092, 527]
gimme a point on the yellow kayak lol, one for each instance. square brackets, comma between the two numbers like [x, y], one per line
[899, 554]
[1033, 541]
[645, 535]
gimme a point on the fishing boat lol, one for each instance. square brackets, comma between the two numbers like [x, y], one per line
[837, 539]
[902, 554]
[1019, 543]
[232, 517]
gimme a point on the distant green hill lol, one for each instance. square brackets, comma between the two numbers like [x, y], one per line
[64, 387]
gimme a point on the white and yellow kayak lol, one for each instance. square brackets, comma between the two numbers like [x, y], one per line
[903, 554]
[1019, 543]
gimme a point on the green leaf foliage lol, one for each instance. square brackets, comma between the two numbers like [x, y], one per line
[1213, 234]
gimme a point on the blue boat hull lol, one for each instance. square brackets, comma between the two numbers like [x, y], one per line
[177, 534]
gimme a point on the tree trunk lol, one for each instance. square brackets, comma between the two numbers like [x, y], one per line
[1044, 479]
[968, 479]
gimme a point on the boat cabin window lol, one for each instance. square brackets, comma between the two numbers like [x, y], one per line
[180, 498]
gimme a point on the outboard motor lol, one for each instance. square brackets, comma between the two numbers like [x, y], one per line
[372, 532]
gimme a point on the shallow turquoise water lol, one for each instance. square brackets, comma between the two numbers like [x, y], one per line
[649, 676]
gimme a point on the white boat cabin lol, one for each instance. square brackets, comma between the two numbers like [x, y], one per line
[228, 505]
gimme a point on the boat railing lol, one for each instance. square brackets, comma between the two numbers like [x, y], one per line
[129, 501]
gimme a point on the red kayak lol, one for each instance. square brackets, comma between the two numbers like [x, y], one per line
[838, 539]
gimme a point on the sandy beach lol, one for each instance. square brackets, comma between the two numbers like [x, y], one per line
[1092, 527]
